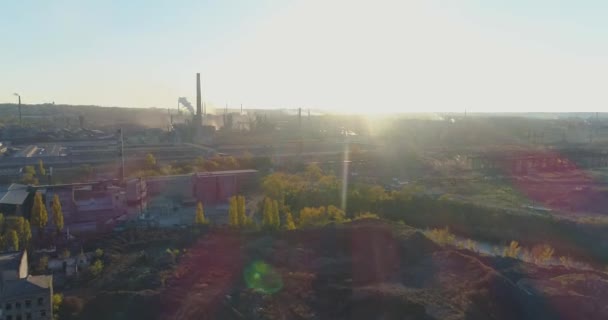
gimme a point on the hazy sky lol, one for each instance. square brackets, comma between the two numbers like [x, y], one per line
[363, 56]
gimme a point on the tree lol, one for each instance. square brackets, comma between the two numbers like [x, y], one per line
[313, 172]
[150, 162]
[240, 207]
[199, 219]
[41, 169]
[267, 214]
[276, 221]
[335, 214]
[21, 227]
[57, 213]
[96, 268]
[512, 251]
[1, 223]
[29, 170]
[289, 224]
[29, 178]
[442, 236]
[542, 253]
[43, 264]
[27, 232]
[57, 300]
[233, 214]
[39, 217]
[13, 240]
[70, 308]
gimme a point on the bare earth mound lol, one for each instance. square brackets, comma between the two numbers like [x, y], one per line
[369, 270]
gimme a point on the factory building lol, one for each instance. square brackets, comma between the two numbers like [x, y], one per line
[218, 187]
[15, 199]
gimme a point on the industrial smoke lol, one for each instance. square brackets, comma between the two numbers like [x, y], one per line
[184, 102]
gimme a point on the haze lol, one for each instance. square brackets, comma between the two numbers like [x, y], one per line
[343, 56]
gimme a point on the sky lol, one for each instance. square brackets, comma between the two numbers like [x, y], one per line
[374, 56]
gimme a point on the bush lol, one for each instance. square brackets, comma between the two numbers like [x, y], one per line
[366, 215]
[566, 261]
[541, 254]
[57, 300]
[471, 245]
[320, 216]
[441, 236]
[512, 251]
[96, 268]
[70, 308]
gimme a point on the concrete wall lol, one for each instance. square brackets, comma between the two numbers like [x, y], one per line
[178, 186]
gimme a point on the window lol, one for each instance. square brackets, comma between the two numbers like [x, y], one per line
[17, 305]
[18, 317]
[9, 317]
[40, 301]
[8, 306]
[43, 313]
[28, 316]
[28, 303]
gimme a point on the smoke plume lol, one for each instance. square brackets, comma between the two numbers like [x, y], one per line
[184, 102]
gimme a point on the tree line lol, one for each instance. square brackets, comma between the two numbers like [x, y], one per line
[149, 166]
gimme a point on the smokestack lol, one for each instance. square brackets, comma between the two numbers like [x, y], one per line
[198, 96]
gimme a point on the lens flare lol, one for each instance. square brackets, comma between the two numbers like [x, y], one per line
[345, 162]
[262, 278]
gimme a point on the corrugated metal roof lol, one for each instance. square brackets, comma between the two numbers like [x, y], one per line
[16, 194]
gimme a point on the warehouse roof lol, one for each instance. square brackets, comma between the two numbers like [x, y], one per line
[15, 194]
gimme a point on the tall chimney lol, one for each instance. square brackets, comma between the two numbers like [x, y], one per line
[198, 97]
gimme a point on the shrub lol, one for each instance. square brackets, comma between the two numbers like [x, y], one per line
[512, 251]
[541, 254]
[471, 245]
[70, 308]
[96, 268]
[43, 264]
[565, 261]
[441, 236]
[57, 301]
[366, 215]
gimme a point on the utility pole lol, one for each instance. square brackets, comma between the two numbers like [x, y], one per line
[122, 157]
[19, 106]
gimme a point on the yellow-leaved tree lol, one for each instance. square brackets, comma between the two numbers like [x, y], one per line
[240, 209]
[233, 214]
[289, 224]
[39, 217]
[199, 218]
[57, 213]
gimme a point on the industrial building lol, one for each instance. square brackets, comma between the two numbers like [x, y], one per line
[100, 205]
[208, 187]
[218, 187]
[14, 200]
[23, 296]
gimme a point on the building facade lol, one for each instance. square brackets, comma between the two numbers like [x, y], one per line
[23, 296]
